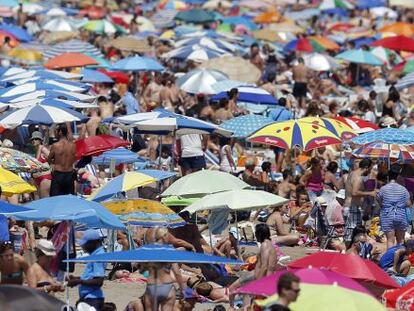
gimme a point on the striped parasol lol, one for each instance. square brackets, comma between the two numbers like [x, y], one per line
[72, 46]
[380, 150]
[406, 82]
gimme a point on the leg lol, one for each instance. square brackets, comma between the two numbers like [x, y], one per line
[148, 302]
[44, 188]
[399, 235]
[288, 240]
[404, 268]
[390, 238]
[169, 303]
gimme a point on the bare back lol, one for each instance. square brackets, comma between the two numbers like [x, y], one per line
[62, 155]
[300, 73]
[266, 260]
[92, 125]
[353, 182]
[106, 110]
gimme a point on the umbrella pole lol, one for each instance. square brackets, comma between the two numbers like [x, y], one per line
[340, 160]
[155, 302]
[389, 156]
[159, 152]
[69, 228]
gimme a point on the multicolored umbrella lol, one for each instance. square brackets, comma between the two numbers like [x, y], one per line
[121, 183]
[267, 285]
[103, 26]
[327, 298]
[173, 5]
[67, 60]
[301, 45]
[335, 4]
[95, 145]
[244, 126]
[17, 161]
[386, 135]
[397, 43]
[11, 183]
[337, 127]
[394, 152]
[144, 213]
[295, 133]
[359, 126]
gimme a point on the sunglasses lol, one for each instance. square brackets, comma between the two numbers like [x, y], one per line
[297, 291]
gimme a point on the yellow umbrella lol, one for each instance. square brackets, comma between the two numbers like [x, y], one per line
[295, 133]
[130, 44]
[28, 57]
[168, 34]
[339, 128]
[11, 183]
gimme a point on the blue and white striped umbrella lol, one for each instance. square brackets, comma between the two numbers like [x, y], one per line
[162, 122]
[251, 95]
[38, 73]
[199, 81]
[386, 135]
[164, 19]
[138, 63]
[211, 34]
[194, 52]
[94, 76]
[244, 126]
[226, 85]
[215, 44]
[48, 94]
[118, 156]
[406, 82]
[40, 114]
[72, 46]
[59, 11]
[60, 24]
[39, 85]
[58, 103]
[10, 71]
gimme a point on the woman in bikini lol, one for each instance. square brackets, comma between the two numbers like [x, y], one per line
[209, 290]
[13, 267]
[42, 179]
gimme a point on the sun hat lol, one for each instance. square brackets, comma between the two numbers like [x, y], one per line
[46, 247]
[36, 135]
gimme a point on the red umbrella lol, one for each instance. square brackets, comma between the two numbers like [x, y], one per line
[117, 76]
[95, 145]
[351, 266]
[93, 12]
[397, 43]
[395, 298]
[358, 125]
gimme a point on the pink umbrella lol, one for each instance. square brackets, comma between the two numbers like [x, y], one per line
[266, 286]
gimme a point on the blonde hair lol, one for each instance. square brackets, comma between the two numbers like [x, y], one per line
[160, 233]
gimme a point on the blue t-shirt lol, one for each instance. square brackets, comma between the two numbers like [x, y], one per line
[131, 103]
[387, 260]
[93, 270]
[4, 228]
[280, 114]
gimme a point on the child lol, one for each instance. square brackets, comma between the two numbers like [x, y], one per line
[164, 161]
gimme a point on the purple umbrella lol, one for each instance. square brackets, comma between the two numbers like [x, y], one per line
[266, 286]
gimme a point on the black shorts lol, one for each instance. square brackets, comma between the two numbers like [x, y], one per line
[62, 183]
[300, 89]
[193, 163]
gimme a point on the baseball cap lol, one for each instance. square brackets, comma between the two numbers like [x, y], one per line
[90, 235]
[233, 232]
[46, 247]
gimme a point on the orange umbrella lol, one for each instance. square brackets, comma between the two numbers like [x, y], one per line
[325, 43]
[400, 28]
[67, 60]
[13, 41]
[268, 17]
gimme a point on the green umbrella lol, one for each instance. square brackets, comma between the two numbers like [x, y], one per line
[237, 200]
[204, 182]
[179, 201]
[195, 16]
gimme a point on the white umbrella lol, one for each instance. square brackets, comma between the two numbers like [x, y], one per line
[59, 24]
[196, 53]
[32, 102]
[237, 200]
[320, 62]
[403, 3]
[214, 4]
[199, 81]
[30, 8]
[144, 24]
[382, 11]
[216, 44]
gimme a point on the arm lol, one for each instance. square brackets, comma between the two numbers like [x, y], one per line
[279, 226]
[397, 256]
[179, 243]
[230, 157]
[357, 192]
[264, 258]
[70, 133]
[178, 276]
[51, 157]
[304, 179]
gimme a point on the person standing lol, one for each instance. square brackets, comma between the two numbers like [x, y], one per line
[191, 148]
[394, 199]
[267, 256]
[42, 179]
[62, 156]
[288, 291]
[91, 281]
[300, 73]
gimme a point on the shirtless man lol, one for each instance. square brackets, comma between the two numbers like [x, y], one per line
[91, 127]
[354, 194]
[106, 108]
[300, 73]
[62, 156]
[255, 57]
[152, 93]
[279, 233]
[267, 256]
[286, 187]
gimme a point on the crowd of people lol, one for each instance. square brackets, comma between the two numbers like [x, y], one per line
[337, 201]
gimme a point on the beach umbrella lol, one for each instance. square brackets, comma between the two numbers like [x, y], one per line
[102, 62]
[58, 36]
[195, 53]
[305, 14]
[58, 103]
[405, 82]
[8, 209]
[384, 54]
[18, 32]
[267, 35]
[359, 126]
[145, 24]
[244, 126]
[286, 28]
[72, 46]
[386, 135]
[9, 3]
[399, 28]
[48, 93]
[250, 94]
[71, 208]
[94, 76]
[102, 26]
[402, 3]
[240, 20]
[320, 62]
[360, 57]
[226, 85]
[178, 201]
[301, 45]
[236, 68]
[118, 77]
[137, 63]
[329, 297]
[17, 161]
[348, 265]
[13, 41]
[95, 145]
[212, 43]
[30, 8]
[405, 67]
[60, 24]
[93, 12]
[26, 57]
[254, 5]
[146, 34]
[122, 183]
[268, 17]
[67, 60]
[164, 19]
[38, 85]
[199, 81]
[380, 150]
[369, 4]
[195, 16]
[173, 5]
[241, 199]
[267, 286]
[400, 298]
[59, 11]
[320, 43]
[295, 133]
[157, 174]
[10, 71]
[118, 156]
[157, 253]
[204, 182]
[130, 44]
[11, 183]
[144, 213]
[335, 4]
[214, 4]
[397, 43]
[40, 114]
[383, 11]
[39, 73]
[337, 127]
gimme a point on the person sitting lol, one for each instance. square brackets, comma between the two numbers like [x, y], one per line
[279, 233]
[38, 274]
[299, 210]
[249, 176]
[209, 290]
[228, 244]
[397, 259]
[12, 265]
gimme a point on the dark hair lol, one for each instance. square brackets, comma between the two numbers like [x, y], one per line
[332, 167]
[62, 128]
[314, 161]
[232, 93]
[102, 99]
[254, 45]
[393, 94]
[5, 246]
[282, 101]
[266, 165]
[409, 244]
[285, 281]
[286, 173]
[271, 77]
[223, 102]
[395, 171]
[363, 105]
[6, 39]
[332, 106]
[219, 308]
[365, 163]
[262, 232]
[372, 94]
[358, 230]
[300, 60]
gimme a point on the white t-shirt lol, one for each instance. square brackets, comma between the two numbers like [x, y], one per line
[191, 146]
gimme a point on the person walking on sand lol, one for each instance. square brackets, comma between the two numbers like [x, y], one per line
[62, 156]
[300, 73]
[288, 291]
